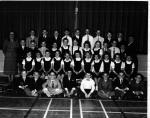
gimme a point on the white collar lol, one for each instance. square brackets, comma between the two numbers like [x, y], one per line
[38, 59]
[128, 62]
[57, 58]
[78, 59]
[87, 60]
[47, 58]
[86, 49]
[106, 60]
[97, 61]
[117, 61]
[67, 60]
[28, 58]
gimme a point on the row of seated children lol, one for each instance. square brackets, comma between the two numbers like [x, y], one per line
[104, 88]
[79, 66]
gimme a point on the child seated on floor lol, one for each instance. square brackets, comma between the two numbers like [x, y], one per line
[121, 85]
[52, 87]
[69, 84]
[137, 87]
[87, 87]
[21, 84]
[105, 89]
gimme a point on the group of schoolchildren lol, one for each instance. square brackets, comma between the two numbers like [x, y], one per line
[100, 70]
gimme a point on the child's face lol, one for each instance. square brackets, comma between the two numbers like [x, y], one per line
[52, 75]
[29, 54]
[114, 43]
[86, 46]
[54, 45]
[36, 75]
[122, 47]
[43, 44]
[67, 56]
[65, 42]
[77, 55]
[97, 45]
[121, 75]
[105, 76]
[75, 43]
[32, 33]
[105, 45]
[109, 35]
[88, 75]
[38, 55]
[66, 32]
[87, 55]
[57, 54]
[106, 57]
[44, 32]
[77, 32]
[98, 32]
[32, 45]
[119, 35]
[47, 54]
[87, 31]
[96, 57]
[117, 57]
[69, 73]
[22, 43]
[128, 58]
[56, 33]
[138, 78]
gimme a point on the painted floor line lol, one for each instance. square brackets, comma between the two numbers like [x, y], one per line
[138, 107]
[70, 98]
[46, 112]
[115, 100]
[103, 109]
[115, 112]
[80, 106]
[71, 107]
[32, 97]
[20, 109]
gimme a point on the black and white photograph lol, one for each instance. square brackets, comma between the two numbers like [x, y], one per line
[74, 59]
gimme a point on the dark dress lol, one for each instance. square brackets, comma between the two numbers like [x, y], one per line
[57, 65]
[128, 68]
[106, 66]
[38, 66]
[67, 65]
[10, 52]
[96, 51]
[87, 66]
[47, 65]
[96, 67]
[77, 68]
